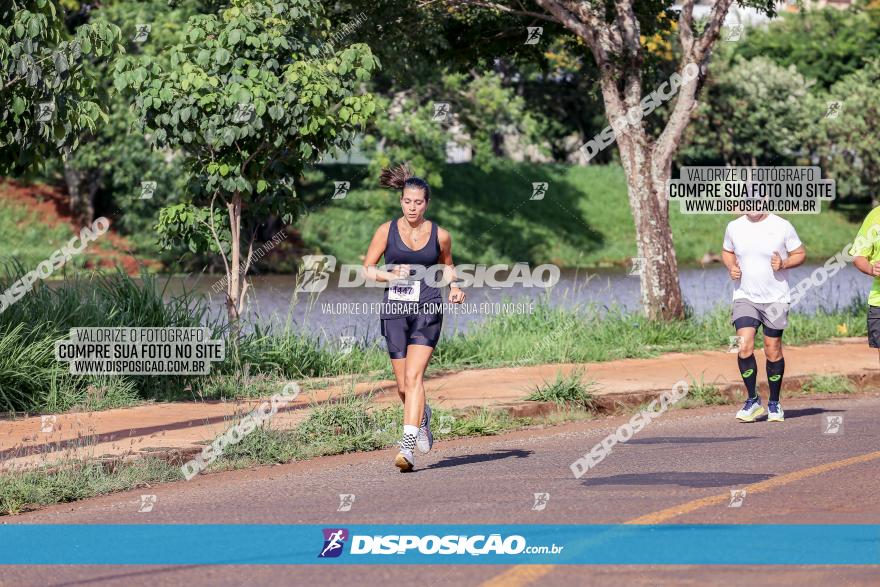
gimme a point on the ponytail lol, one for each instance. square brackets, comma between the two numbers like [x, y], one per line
[400, 177]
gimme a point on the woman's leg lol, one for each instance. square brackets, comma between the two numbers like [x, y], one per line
[399, 366]
[417, 358]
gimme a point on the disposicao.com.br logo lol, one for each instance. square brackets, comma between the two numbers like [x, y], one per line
[431, 544]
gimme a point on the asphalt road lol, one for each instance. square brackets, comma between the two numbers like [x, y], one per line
[678, 470]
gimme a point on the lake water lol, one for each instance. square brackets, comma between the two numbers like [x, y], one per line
[346, 311]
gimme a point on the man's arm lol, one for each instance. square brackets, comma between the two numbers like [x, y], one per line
[795, 258]
[729, 260]
[865, 266]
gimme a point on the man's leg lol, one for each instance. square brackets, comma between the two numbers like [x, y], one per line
[775, 369]
[748, 367]
[746, 326]
[775, 364]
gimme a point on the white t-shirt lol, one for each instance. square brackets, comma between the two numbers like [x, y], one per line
[754, 244]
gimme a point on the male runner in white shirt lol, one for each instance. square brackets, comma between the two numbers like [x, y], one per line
[758, 251]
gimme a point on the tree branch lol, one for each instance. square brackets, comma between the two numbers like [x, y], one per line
[710, 33]
[498, 7]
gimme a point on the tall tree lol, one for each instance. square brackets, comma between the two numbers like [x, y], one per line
[615, 34]
[251, 96]
[47, 94]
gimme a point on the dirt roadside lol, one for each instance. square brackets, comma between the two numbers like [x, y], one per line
[164, 427]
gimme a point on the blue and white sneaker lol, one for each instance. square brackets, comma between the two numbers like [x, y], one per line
[425, 440]
[775, 413]
[750, 410]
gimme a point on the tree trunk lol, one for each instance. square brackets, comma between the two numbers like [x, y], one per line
[233, 281]
[73, 179]
[661, 292]
[81, 188]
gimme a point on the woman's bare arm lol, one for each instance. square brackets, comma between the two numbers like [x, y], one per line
[375, 252]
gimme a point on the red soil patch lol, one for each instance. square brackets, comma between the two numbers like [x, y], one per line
[51, 206]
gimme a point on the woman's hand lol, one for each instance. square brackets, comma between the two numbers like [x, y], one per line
[401, 272]
[456, 296]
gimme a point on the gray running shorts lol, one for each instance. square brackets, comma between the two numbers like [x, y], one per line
[773, 316]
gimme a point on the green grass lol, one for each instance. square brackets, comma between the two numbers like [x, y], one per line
[78, 480]
[828, 384]
[583, 221]
[569, 390]
[27, 239]
[347, 424]
[702, 394]
[31, 378]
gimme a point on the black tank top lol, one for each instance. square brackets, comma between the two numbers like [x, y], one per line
[397, 253]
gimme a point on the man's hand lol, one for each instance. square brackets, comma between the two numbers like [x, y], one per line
[875, 269]
[776, 262]
[734, 271]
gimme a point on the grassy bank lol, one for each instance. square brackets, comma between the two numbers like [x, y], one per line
[25, 236]
[584, 219]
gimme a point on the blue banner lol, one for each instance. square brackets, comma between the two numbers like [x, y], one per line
[266, 544]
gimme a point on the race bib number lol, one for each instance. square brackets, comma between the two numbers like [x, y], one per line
[404, 291]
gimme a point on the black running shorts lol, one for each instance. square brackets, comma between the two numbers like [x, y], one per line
[401, 332]
[874, 327]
